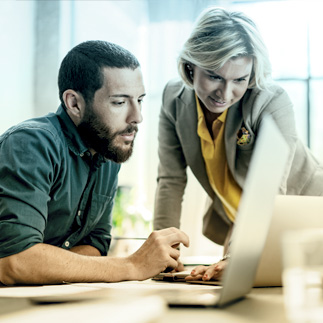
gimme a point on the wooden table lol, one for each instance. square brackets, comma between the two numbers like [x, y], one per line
[133, 302]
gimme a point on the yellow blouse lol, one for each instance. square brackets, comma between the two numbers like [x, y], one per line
[213, 151]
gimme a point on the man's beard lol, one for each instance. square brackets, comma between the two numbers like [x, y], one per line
[100, 138]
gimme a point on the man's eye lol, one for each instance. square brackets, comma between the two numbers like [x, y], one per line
[118, 102]
[240, 80]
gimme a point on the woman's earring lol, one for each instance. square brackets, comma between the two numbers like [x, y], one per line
[190, 70]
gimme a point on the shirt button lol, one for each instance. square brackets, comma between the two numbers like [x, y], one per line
[81, 155]
[67, 244]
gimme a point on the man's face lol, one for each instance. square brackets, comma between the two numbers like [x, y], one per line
[109, 123]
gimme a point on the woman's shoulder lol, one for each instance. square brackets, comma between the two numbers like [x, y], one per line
[273, 97]
[272, 92]
[174, 89]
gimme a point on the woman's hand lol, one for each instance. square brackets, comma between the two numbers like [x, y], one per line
[212, 272]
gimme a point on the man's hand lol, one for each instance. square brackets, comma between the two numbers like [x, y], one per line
[212, 272]
[46, 264]
[180, 266]
[157, 253]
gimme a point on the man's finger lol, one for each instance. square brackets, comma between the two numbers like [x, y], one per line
[175, 238]
[172, 263]
[174, 253]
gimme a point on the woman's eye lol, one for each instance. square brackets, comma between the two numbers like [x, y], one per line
[240, 80]
[215, 77]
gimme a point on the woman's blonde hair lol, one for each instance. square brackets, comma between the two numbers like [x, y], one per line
[219, 36]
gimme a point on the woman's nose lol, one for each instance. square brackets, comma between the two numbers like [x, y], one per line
[223, 92]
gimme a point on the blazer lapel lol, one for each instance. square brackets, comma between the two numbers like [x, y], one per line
[232, 126]
[191, 144]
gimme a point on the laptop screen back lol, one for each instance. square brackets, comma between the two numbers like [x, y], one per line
[255, 211]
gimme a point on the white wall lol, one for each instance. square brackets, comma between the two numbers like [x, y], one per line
[16, 61]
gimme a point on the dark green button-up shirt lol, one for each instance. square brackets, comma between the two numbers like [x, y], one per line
[51, 188]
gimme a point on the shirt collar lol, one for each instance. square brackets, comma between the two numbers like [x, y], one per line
[202, 129]
[73, 138]
[200, 114]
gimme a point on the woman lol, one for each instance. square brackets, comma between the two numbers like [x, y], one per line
[209, 122]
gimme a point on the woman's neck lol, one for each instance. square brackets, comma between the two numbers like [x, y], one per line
[209, 118]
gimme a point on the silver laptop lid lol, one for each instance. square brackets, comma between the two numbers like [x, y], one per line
[291, 212]
[255, 211]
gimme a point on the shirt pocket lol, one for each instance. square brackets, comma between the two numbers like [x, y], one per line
[99, 205]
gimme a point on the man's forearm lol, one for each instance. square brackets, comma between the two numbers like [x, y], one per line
[86, 250]
[46, 264]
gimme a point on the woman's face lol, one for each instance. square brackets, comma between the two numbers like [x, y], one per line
[219, 90]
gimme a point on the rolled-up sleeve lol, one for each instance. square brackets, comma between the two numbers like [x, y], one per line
[26, 174]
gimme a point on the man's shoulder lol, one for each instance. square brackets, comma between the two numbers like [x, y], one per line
[45, 127]
[48, 122]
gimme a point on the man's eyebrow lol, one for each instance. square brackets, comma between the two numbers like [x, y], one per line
[125, 96]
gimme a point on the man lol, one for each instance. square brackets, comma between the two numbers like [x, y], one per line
[58, 178]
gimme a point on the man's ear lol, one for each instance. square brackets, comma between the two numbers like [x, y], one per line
[75, 105]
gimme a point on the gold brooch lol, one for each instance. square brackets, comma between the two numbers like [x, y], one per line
[243, 137]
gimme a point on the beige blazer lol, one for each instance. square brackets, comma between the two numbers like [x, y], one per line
[179, 147]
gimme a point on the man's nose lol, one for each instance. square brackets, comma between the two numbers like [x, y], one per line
[135, 115]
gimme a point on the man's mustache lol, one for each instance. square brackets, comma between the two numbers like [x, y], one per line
[129, 129]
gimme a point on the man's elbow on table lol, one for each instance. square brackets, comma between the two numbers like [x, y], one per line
[10, 270]
[22, 267]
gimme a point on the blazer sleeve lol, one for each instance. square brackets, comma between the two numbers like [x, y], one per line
[172, 177]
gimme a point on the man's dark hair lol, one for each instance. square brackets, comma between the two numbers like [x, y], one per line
[82, 68]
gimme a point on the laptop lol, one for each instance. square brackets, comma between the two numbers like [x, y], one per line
[290, 213]
[252, 223]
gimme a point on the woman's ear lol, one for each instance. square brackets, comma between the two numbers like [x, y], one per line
[75, 104]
